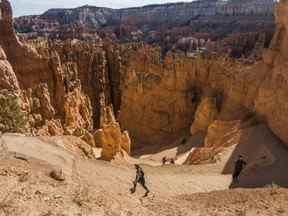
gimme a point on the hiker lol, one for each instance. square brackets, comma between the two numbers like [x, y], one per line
[239, 166]
[140, 178]
[164, 160]
[172, 160]
[184, 141]
[194, 96]
[66, 85]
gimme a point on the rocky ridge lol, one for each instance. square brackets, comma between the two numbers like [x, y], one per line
[165, 25]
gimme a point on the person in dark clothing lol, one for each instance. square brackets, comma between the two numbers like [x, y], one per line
[140, 178]
[183, 141]
[239, 166]
[66, 85]
[164, 160]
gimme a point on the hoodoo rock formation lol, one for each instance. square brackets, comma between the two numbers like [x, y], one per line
[67, 85]
[110, 138]
[8, 79]
[62, 85]
[231, 27]
[182, 96]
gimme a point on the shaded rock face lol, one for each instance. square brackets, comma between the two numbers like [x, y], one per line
[156, 100]
[271, 101]
[219, 134]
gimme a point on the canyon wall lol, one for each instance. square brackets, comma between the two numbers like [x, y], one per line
[271, 101]
[201, 15]
[55, 80]
[173, 13]
[68, 85]
[159, 99]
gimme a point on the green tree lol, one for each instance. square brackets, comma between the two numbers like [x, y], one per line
[12, 117]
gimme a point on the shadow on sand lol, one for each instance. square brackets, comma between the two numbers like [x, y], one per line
[266, 157]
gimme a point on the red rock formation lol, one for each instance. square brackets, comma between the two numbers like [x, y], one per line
[51, 90]
[69, 84]
[110, 136]
[8, 79]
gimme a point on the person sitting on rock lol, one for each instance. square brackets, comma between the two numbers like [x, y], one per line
[140, 178]
[164, 160]
[238, 168]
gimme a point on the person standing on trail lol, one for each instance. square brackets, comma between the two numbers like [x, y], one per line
[140, 178]
[239, 166]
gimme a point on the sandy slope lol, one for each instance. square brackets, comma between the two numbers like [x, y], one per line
[100, 188]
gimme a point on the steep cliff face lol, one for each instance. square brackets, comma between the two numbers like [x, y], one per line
[15, 51]
[87, 15]
[271, 101]
[159, 99]
[139, 23]
[173, 13]
[49, 81]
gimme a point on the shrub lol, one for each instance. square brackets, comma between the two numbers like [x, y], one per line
[12, 117]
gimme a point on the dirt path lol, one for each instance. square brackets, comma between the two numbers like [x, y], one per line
[102, 188]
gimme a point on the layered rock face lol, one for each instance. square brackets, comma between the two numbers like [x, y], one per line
[69, 84]
[271, 101]
[174, 13]
[231, 27]
[162, 24]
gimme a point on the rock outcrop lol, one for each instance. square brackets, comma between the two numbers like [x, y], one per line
[271, 102]
[110, 137]
[205, 114]
[8, 79]
[56, 81]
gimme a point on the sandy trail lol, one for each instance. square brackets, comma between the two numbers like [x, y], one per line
[94, 187]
